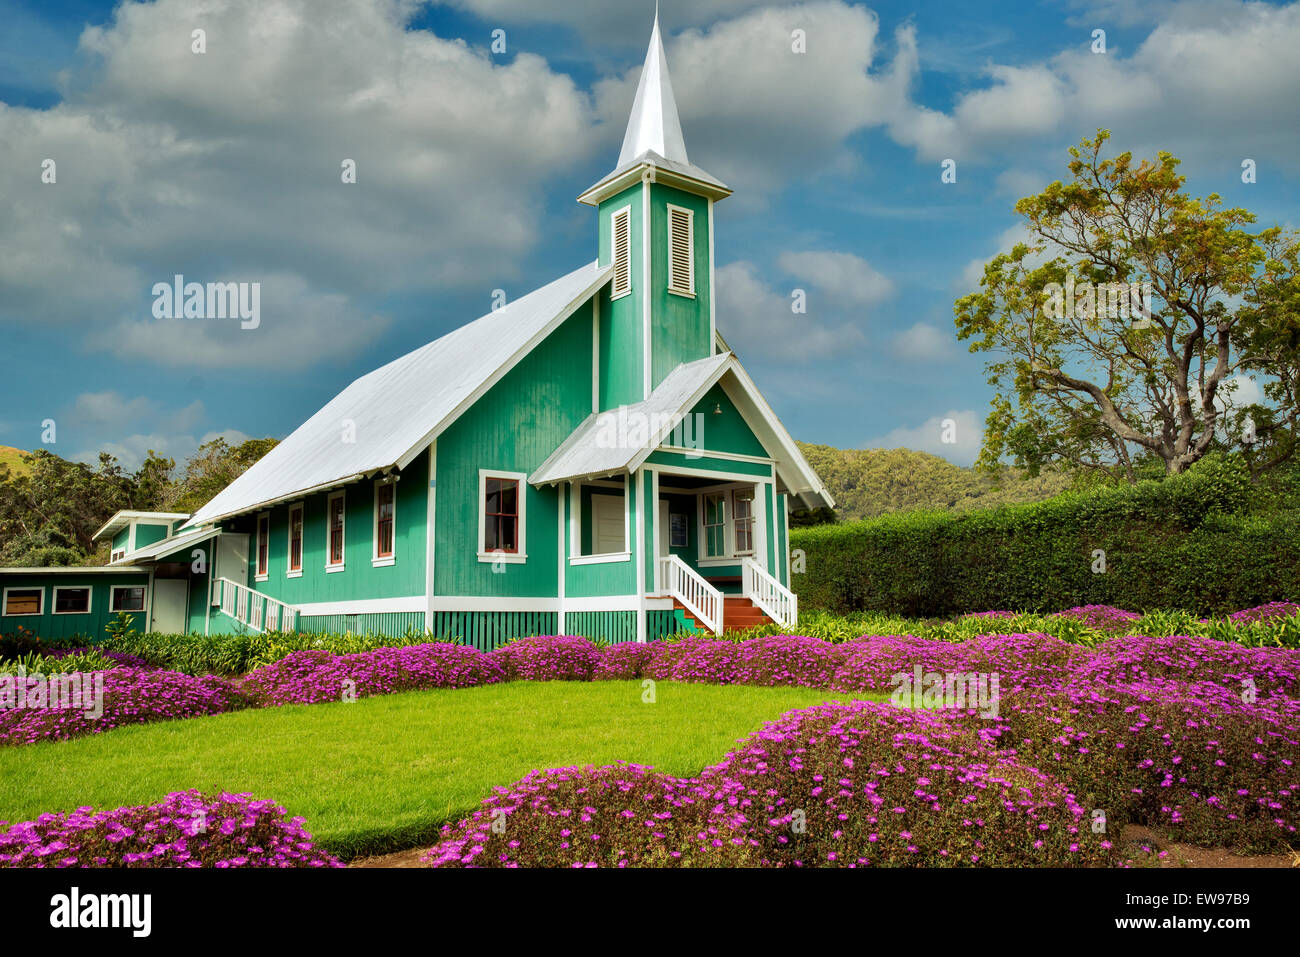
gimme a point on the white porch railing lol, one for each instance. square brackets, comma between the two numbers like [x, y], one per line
[257, 611]
[778, 602]
[699, 597]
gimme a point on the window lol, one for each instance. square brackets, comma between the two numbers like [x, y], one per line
[715, 524]
[608, 524]
[385, 507]
[294, 566]
[621, 247]
[335, 523]
[742, 510]
[71, 601]
[117, 554]
[502, 496]
[681, 245]
[263, 546]
[24, 601]
[128, 598]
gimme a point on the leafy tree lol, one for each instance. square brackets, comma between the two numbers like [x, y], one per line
[1089, 374]
[214, 466]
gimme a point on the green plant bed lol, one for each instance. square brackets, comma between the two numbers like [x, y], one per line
[384, 773]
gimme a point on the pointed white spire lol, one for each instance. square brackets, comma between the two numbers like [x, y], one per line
[654, 124]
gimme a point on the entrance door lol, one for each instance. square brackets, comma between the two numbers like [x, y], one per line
[169, 612]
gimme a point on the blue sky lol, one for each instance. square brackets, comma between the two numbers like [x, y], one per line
[225, 167]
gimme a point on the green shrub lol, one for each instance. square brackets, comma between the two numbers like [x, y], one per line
[1197, 542]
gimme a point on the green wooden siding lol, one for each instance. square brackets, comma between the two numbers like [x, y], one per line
[359, 579]
[725, 431]
[48, 625]
[513, 428]
[680, 326]
[147, 533]
[622, 328]
[783, 541]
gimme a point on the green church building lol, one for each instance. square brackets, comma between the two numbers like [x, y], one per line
[587, 459]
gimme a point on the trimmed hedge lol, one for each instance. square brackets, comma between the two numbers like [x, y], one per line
[1189, 542]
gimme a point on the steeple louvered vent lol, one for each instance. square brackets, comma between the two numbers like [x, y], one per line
[681, 242]
[621, 229]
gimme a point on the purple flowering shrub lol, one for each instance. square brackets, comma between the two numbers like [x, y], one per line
[1018, 660]
[867, 784]
[789, 660]
[311, 677]
[709, 662]
[836, 785]
[548, 658]
[1191, 757]
[186, 829]
[1193, 659]
[614, 816]
[626, 661]
[1101, 617]
[130, 696]
[1270, 612]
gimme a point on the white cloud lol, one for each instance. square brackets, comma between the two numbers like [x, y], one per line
[227, 165]
[1226, 68]
[846, 279]
[923, 342]
[968, 430]
[756, 319]
[607, 22]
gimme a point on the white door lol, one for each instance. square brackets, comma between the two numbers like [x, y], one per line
[169, 613]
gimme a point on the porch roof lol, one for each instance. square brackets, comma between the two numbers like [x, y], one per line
[168, 545]
[620, 440]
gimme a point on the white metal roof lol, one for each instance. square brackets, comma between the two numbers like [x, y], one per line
[609, 442]
[620, 440]
[168, 545]
[392, 414]
[124, 518]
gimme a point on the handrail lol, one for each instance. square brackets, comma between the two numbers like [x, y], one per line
[699, 597]
[252, 608]
[777, 602]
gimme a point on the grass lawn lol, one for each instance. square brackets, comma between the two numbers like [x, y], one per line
[383, 773]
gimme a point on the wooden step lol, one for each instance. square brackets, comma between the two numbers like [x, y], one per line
[738, 613]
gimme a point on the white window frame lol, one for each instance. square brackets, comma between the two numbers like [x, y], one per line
[258, 574]
[112, 599]
[117, 555]
[615, 290]
[575, 525]
[675, 287]
[289, 570]
[510, 558]
[734, 523]
[4, 601]
[704, 556]
[377, 560]
[329, 531]
[90, 599]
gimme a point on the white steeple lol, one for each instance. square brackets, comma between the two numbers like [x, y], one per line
[653, 144]
[654, 125]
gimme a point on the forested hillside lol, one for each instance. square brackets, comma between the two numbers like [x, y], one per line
[870, 482]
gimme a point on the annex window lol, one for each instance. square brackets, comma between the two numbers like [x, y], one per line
[294, 564]
[742, 511]
[621, 251]
[128, 598]
[71, 601]
[501, 521]
[263, 546]
[715, 525]
[335, 524]
[24, 601]
[681, 244]
[385, 512]
[118, 554]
